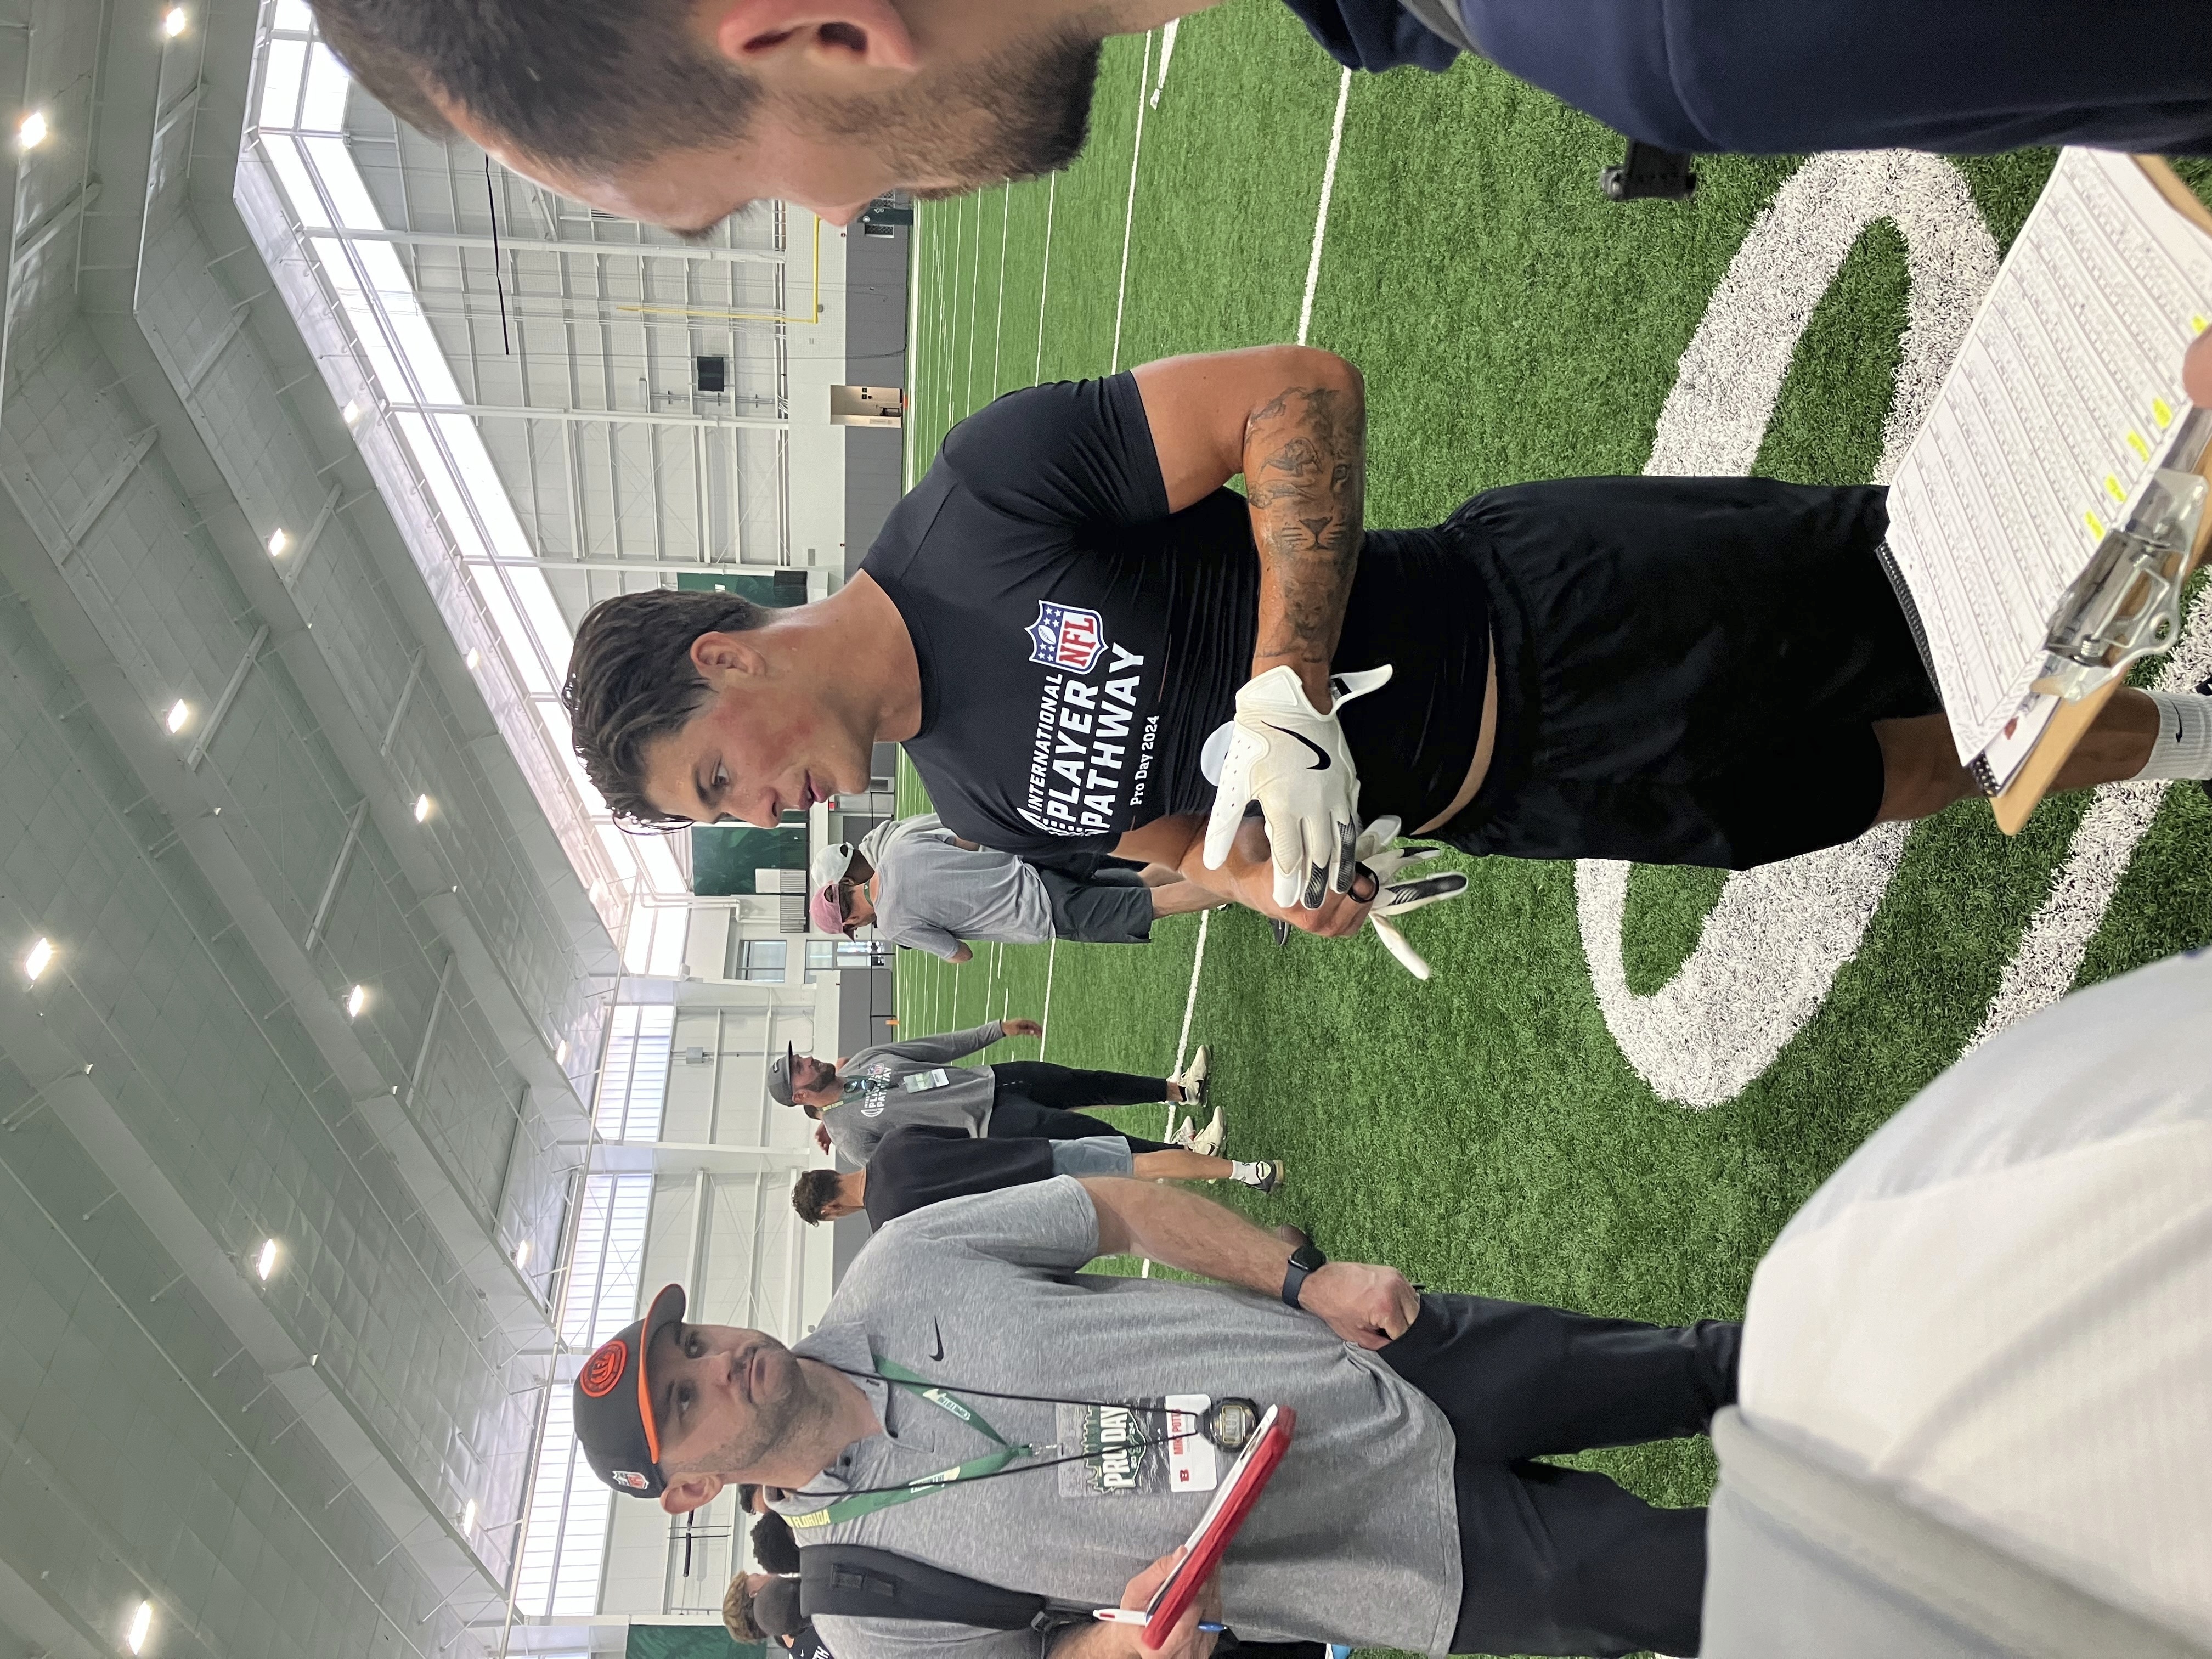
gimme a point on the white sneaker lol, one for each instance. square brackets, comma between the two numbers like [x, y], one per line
[1207, 1141]
[1192, 1078]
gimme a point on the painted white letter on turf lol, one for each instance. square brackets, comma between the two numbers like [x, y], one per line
[1774, 942]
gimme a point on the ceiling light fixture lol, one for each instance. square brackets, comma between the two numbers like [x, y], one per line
[142, 1624]
[279, 541]
[32, 132]
[42, 954]
[180, 712]
[351, 412]
[173, 21]
[560, 1052]
[356, 999]
[421, 808]
[468, 1516]
[474, 656]
[522, 1255]
[265, 1263]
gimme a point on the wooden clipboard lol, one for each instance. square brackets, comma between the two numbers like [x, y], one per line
[2071, 722]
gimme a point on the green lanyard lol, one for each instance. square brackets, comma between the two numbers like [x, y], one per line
[868, 1503]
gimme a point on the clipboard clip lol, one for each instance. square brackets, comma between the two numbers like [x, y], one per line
[2127, 604]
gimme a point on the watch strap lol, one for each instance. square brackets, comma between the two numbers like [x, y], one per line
[1303, 1260]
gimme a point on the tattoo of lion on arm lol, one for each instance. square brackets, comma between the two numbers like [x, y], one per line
[1306, 466]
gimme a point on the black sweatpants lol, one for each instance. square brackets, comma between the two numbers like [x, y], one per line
[1559, 1561]
[1034, 1101]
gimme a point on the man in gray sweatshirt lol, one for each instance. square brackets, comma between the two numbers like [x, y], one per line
[892, 1084]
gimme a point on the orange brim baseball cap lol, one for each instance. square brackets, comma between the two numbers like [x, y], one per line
[614, 1404]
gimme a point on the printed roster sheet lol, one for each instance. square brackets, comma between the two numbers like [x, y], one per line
[2064, 399]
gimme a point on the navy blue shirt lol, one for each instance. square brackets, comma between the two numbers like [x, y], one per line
[1781, 76]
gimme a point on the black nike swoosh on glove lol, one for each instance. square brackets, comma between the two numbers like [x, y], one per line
[1320, 755]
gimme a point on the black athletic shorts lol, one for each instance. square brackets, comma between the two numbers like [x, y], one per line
[1688, 669]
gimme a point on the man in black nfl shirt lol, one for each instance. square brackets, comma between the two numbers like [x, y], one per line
[1077, 631]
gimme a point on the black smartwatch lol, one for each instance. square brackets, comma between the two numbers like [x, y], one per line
[1303, 1260]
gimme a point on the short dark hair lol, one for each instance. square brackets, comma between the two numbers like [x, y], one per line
[573, 81]
[630, 680]
[814, 1192]
[775, 1547]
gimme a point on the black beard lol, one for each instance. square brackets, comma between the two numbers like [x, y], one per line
[1022, 113]
[773, 1426]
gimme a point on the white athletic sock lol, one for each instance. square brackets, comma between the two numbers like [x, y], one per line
[2184, 746]
[1250, 1174]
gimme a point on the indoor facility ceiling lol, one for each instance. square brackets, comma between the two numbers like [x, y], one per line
[314, 932]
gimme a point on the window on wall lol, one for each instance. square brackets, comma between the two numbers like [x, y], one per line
[759, 959]
[633, 1089]
[833, 956]
[566, 1541]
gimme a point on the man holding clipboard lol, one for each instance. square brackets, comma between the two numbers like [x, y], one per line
[974, 1402]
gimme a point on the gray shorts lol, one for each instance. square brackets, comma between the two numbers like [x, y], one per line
[1092, 1155]
[1112, 907]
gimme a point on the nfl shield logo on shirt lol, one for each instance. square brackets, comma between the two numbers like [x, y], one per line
[1066, 636]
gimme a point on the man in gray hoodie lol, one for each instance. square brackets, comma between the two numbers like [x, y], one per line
[893, 1084]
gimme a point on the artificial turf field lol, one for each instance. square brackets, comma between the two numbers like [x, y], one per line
[1486, 1132]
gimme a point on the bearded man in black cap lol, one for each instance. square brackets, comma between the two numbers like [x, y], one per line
[971, 1400]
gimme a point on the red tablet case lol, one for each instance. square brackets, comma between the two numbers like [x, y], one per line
[1209, 1542]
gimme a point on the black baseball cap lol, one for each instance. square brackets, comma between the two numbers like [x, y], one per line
[779, 1075]
[614, 1407]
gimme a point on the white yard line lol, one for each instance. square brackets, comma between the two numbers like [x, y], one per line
[1183, 1042]
[941, 317]
[975, 293]
[912, 339]
[1190, 1007]
[998, 323]
[1129, 212]
[1190, 1000]
[1167, 52]
[1321, 214]
[1044, 276]
[1044, 1019]
[952, 312]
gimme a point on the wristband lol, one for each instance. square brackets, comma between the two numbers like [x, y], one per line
[1302, 1261]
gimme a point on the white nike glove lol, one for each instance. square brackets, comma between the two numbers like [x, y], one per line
[1293, 759]
[1394, 897]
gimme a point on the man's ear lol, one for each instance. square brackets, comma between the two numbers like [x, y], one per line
[690, 1491]
[835, 33]
[716, 655]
